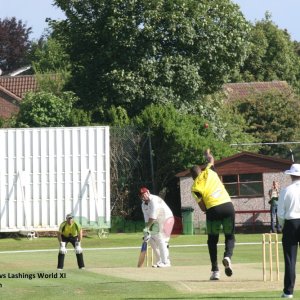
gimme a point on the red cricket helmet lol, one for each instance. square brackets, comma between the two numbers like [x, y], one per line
[143, 190]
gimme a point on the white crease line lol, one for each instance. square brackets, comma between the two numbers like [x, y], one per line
[185, 285]
[125, 248]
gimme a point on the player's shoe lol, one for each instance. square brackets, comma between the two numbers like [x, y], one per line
[286, 296]
[163, 265]
[215, 275]
[227, 264]
[155, 264]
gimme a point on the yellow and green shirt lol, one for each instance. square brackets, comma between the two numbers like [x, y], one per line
[211, 188]
[69, 230]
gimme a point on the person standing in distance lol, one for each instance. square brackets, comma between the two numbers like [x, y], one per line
[288, 213]
[274, 194]
[159, 224]
[214, 200]
[70, 231]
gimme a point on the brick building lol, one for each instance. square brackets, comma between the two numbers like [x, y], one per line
[248, 178]
[12, 91]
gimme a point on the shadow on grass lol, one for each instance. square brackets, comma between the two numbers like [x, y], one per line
[11, 235]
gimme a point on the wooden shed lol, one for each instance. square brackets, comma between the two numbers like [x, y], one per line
[248, 178]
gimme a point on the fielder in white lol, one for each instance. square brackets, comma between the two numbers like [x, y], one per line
[159, 224]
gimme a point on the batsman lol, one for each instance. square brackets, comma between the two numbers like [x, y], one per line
[69, 231]
[159, 224]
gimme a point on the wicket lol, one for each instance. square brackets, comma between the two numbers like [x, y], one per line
[149, 256]
[270, 238]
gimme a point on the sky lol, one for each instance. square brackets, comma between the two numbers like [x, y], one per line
[33, 13]
[285, 13]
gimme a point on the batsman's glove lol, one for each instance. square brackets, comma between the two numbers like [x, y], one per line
[78, 249]
[62, 248]
[147, 235]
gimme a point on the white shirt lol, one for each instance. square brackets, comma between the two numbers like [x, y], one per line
[289, 203]
[156, 209]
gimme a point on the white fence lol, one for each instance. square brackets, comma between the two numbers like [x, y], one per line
[46, 173]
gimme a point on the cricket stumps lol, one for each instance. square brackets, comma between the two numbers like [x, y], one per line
[270, 239]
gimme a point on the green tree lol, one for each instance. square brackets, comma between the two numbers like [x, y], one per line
[51, 65]
[133, 53]
[273, 55]
[271, 117]
[178, 140]
[223, 120]
[44, 109]
[117, 116]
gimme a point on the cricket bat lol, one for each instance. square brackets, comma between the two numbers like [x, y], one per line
[142, 254]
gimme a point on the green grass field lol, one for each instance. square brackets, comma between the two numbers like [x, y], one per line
[111, 271]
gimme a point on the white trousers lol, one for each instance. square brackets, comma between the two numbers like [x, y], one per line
[160, 246]
[159, 241]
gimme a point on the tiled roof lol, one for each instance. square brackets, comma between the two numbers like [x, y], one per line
[238, 157]
[237, 91]
[19, 85]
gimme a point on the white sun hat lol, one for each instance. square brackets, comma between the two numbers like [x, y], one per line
[294, 170]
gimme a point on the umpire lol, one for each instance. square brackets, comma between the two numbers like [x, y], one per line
[70, 231]
[289, 218]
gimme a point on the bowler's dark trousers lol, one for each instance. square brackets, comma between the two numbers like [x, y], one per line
[290, 244]
[61, 257]
[217, 218]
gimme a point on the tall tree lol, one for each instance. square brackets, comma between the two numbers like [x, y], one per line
[51, 65]
[178, 140]
[273, 55]
[132, 53]
[14, 44]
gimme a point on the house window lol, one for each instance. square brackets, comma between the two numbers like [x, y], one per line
[244, 185]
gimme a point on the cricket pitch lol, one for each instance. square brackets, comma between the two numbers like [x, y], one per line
[195, 279]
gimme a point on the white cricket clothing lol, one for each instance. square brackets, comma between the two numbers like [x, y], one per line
[156, 209]
[289, 203]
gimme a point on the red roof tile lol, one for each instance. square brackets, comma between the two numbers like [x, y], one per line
[237, 91]
[19, 85]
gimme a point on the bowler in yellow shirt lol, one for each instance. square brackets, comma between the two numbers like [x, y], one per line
[214, 200]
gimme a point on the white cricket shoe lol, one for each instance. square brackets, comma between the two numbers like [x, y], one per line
[227, 264]
[286, 296]
[163, 265]
[215, 275]
[156, 264]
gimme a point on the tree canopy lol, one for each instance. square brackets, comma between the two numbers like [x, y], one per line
[51, 65]
[135, 53]
[273, 55]
[14, 44]
[178, 140]
[271, 117]
[43, 109]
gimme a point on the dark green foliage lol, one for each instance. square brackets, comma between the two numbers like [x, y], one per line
[272, 117]
[135, 53]
[273, 55]
[44, 109]
[178, 140]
